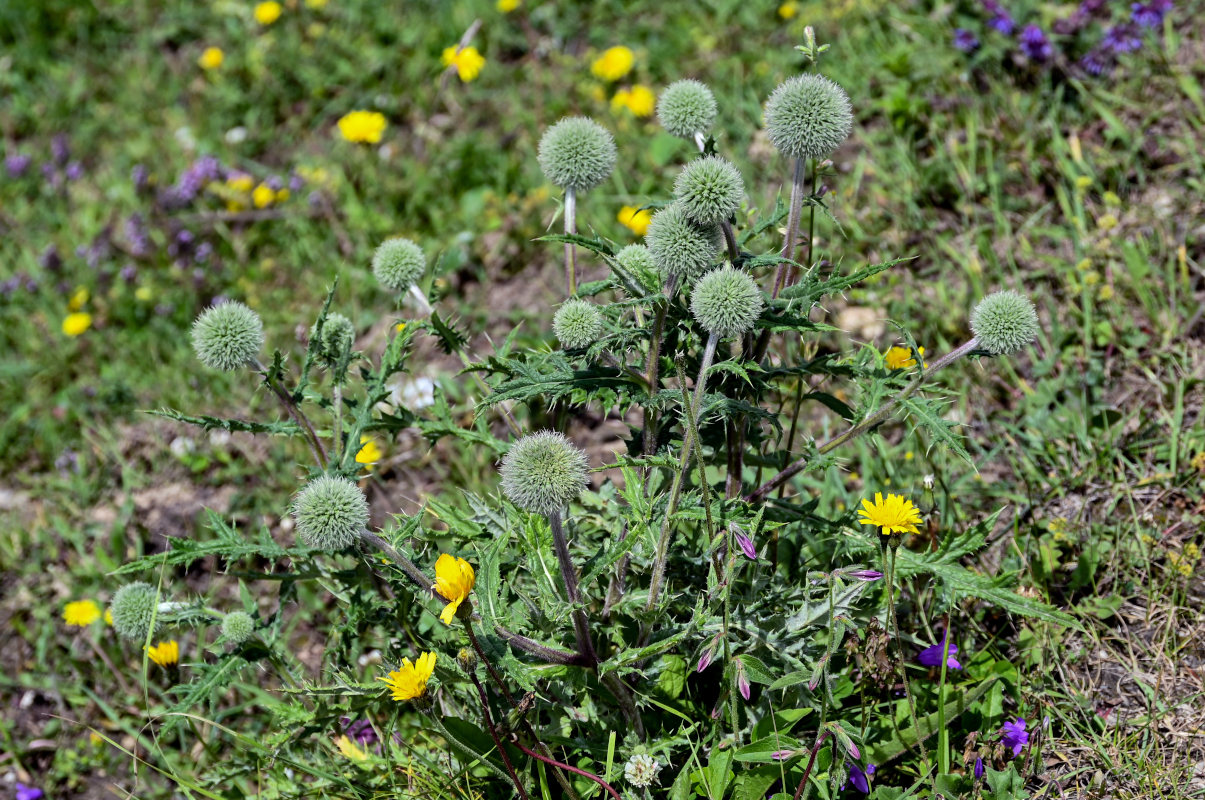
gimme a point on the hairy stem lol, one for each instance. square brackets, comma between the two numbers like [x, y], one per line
[581, 625]
[570, 250]
[792, 233]
[296, 414]
[489, 726]
[465, 749]
[807, 773]
[567, 768]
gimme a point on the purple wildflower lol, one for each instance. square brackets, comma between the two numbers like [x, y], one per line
[1000, 19]
[296, 182]
[140, 177]
[17, 164]
[129, 273]
[931, 655]
[742, 680]
[1121, 39]
[1096, 62]
[965, 41]
[204, 252]
[747, 546]
[1150, 15]
[275, 183]
[360, 731]
[50, 259]
[137, 236]
[74, 171]
[28, 792]
[51, 175]
[978, 767]
[1014, 735]
[867, 575]
[708, 654]
[858, 777]
[782, 755]
[1035, 44]
[60, 151]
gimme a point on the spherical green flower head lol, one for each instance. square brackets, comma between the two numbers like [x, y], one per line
[1004, 322]
[637, 261]
[686, 108]
[577, 153]
[227, 336]
[133, 609]
[726, 302]
[333, 342]
[330, 512]
[543, 472]
[577, 324]
[709, 190]
[398, 264]
[808, 116]
[237, 627]
[680, 247]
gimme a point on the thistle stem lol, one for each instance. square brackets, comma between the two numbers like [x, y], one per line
[807, 773]
[568, 768]
[294, 412]
[792, 233]
[796, 466]
[570, 250]
[489, 726]
[465, 749]
[337, 449]
[424, 307]
[581, 625]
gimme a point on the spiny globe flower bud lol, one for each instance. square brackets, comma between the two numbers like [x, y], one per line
[808, 116]
[542, 472]
[726, 302]
[685, 108]
[680, 247]
[709, 190]
[227, 336]
[333, 342]
[237, 627]
[134, 609]
[636, 259]
[577, 153]
[398, 264]
[577, 324]
[330, 513]
[1004, 322]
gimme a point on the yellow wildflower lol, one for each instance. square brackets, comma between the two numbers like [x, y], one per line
[77, 323]
[1106, 294]
[315, 3]
[1083, 182]
[262, 196]
[1107, 222]
[507, 6]
[369, 453]
[143, 294]
[454, 578]
[640, 100]
[281, 196]
[788, 10]
[212, 58]
[901, 357]
[410, 680]
[893, 515]
[81, 613]
[467, 61]
[362, 126]
[267, 12]
[635, 219]
[240, 182]
[613, 64]
[78, 298]
[349, 750]
[108, 616]
[165, 654]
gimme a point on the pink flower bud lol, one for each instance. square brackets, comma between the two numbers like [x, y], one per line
[747, 546]
[742, 680]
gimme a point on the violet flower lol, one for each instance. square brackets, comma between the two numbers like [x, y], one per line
[931, 655]
[1096, 63]
[1014, 735]
[1000, 19]
[60, 150]
[978, 767]
[858, 777]
[965, 41]
[866, 575]
[17, 164]
[74, 171]
[1121, 39]
[28, 792]
[747, 546]
[1150, 15]
[742, 680]
[1034, 43]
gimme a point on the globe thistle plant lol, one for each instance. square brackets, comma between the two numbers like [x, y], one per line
[332, 343]
[543, 472]
[577, 324]
[686, 109]
[1004, 322]
[681, 248]
[227, 336]
[637, 260]
[330, 513]
[237, 627]
[135, 608]
[577, 154]
[709, 190]
[726, 302]
[808, 116]
[398, 263]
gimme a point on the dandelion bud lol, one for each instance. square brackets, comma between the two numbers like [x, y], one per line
[685, 108]
[641, 770]
[577, 324]
[542, 472]
[726, 302]
[681, 248]
[329, 513]
[808, 116]
[467, 659]
[134, 610]
[577, 153]
[398, 263]
[709, 190]
[1004, 322]
[928, 481]
[333, 341]
[237, 627]
[227, 336]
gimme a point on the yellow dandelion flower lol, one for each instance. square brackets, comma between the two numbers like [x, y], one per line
[369, 452]
[78, 298]
[640, 100]
[788, 10]
[901, 357]
[108, 616]
[635, 219]
[268, 12]
[362, 126]
[165, 654]
[211, 58]
[262, 196]
[410, 680]
[81, 613]
[507, 6]
[893, 515]
[77, 323]
[454, 578]
[613, 64]
[467, 61]
[240, 182]
[349, 749]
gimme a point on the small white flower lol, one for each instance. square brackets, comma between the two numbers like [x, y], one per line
[219, 438]
[641, 770]
[236, 135]
[414, 394]
[185, 138]
[182, 446]
[929, 480]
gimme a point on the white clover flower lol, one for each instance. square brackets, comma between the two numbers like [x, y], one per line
[641, 770]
